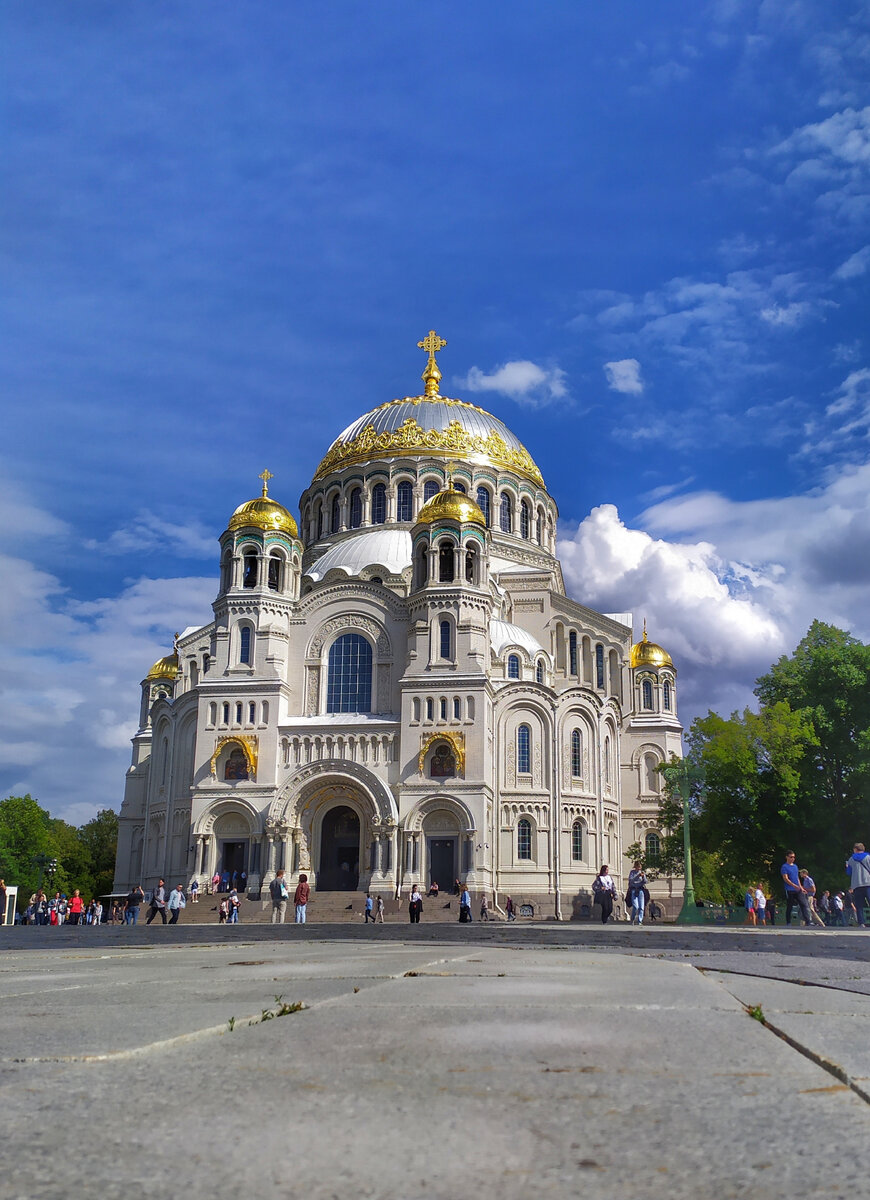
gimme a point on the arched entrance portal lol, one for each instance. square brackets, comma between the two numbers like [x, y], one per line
[339, 851]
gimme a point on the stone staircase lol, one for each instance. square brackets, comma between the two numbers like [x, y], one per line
[332, 908]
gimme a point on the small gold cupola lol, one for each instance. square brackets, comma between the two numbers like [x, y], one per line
[264, 513]
[649, 654]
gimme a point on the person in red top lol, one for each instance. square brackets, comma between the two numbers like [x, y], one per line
[76, 907]
[300, 898]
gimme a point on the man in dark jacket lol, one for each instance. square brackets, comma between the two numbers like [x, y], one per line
[158, 903]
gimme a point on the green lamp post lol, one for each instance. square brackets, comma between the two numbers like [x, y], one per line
[681, 776]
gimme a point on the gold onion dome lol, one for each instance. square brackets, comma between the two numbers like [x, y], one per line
[263, 513]
[649, 654]
[453, 506]
[430, 425]
[164, 668]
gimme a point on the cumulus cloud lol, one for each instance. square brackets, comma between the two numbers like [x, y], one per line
[147, 533]
[624, 376]
[856, 264]
[523, 381]
[727, 586]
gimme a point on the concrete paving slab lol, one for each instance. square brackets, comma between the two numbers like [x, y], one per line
[499, 1073]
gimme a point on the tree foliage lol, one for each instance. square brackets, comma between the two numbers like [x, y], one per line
[29, 836]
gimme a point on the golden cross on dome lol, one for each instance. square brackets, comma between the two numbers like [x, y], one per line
[432, 343]
[265, 476]
[452, 467]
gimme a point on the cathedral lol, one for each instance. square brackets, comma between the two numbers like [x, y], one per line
[398, 689]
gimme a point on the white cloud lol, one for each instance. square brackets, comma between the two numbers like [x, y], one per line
[788, 315]
[624, 376]
[148, 532]
[855, 265]
[523, 381]
[845, 136]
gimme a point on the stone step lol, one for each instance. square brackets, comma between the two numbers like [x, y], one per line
[333, 907]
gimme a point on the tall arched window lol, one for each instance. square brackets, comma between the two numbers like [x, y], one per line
[599, 666]
[524, 750]
[653, 849]
[249, 574]
[577, 754]
[577, 841]
[506, 513]
[666, 696]
[404, 501]
[318, 520]
[430, 488]
[484, 503]
[572, 653]
[539, 671]
[335, 514]
[446, 563]
[647, 693]
[245, 644]
[524, 838]
[379, 504]
[459, 487]
[445, 632]
[608, 772]
[349, 688]
[525, 519]
[539, 528]
[470, 566]
[356, 508]
[276, 575]
[513, 666]
[650, 774]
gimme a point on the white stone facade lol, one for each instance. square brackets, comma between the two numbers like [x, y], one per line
[396, 695]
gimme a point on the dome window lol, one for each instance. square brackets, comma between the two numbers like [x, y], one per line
[666, 696]
[647, 695]
[276, 573]
[459, 487]
[335, 514]
[539, 528]
[484, 503]
[470, 566]
[506, 514]
[525, 519]
[404, 501]
[356, 508]
[379, 504]
[513, 666]
[430, 489]
[249, 575]
[446, 564]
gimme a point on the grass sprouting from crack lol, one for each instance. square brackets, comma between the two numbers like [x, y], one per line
[281, 1009]
[755, 1011]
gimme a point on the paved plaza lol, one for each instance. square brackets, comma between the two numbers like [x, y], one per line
[545, 1061]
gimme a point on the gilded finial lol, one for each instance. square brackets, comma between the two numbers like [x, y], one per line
[265, 476]
[175, 642]
[644, 638]
[450, 468]
[432, 343]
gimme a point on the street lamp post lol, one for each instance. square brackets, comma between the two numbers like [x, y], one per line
[682, 775]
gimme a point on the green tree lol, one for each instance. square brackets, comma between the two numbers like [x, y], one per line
[25, 834]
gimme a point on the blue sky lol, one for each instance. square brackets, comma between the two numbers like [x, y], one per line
[643, 229]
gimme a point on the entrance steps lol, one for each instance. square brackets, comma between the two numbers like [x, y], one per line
[333, 908]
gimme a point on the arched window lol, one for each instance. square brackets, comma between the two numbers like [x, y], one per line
[421, 575]
[404, 501]
[524, 750]
[484, 503]
[318, 520]
[335, 517]
[356, 508]
[470, 565]
[445, 561]
[608, 773]
[577, 841]
[430, 488]
[599, 665]
[525, 519]
[539, 528]
[524, 838]
[249, 575]
[226, 571]
[577, 754]
[446, 640]
[457, 708]
[245, 644]
[350, 675]
[646, 691]
[650, 774]
[379, 504]
[506, 513]
[238, 720]
[430, 708]
[276, 581]
[539, 671]
[666, 696]
[513, 666]
[653, 849]
[236, 766]
[572, 653]
[225, 714]
[442, 708]
[206, 663]
[252, 712]
[459, 487]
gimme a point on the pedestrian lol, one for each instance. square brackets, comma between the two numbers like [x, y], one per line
[838, 914]
[810, 889]
[824, 907]
[484, 908]
[849, 910]
[749, 904]
[233, 904]
[415, 905]
[370, 906]
[131, 905]
[76, 908]
[858, 870]
[635, 896]
[772, 910]
[243, 882]
[300, 899]
[176, 903]
[223, 910]
[794, 892]
[158, 903]
[457, 888]
[433, 889]
[380, 911]
[465, 906]
[603, 891]
[98, 913]
[225, 881]
[215, 883]
[760, 906]
[194, 891]
[279, 893]
[509, 909]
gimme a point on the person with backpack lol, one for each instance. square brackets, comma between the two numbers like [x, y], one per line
[603, 891]
[280, 895]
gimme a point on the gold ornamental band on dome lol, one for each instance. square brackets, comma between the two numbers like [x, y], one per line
[411, 439]
[456, 740]
[247, 744]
